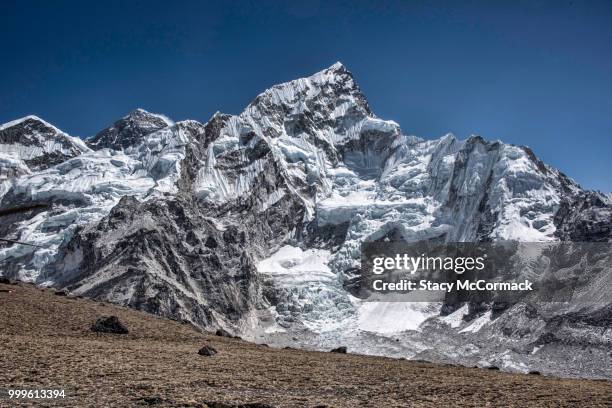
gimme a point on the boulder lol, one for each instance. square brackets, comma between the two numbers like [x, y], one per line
[223, 333]
[341, 350]
[207, 351]
[6, 281]
[214, 404]
[109, 324]
[154, 400]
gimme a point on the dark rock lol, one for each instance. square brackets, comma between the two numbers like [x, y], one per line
[225, 277]
[127, 131]
[210, 243]
[207, 351]
[109, 324]
[493, 368]
[213, 404]
[497, 308]
[192, 238]
[535, 372]
[34, 132]
[530, 311]
[449, 308]
[546, 338]
[6, 281]
[223, 333]
[61, 293]
[585, 218]
[341, 349]
[155, 400]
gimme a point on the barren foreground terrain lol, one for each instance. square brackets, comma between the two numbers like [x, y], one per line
[45, 342]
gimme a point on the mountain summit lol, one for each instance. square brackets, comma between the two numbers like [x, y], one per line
[129, 130]
[33, 143]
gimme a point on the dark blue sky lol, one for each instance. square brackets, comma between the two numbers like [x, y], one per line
[528, 72]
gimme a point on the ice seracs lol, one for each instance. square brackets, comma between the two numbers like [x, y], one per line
[85, 187]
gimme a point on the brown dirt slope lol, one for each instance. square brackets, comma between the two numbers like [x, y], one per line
[45, 342]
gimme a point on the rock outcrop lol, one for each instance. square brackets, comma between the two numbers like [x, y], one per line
[109, 324]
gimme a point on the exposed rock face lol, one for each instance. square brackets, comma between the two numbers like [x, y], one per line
[587, 217]
[151, 255]
[129, 130]
[186, 220]
[32, 144]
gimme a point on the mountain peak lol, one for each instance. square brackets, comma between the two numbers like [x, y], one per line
[37, 143]
[141, 114]
[337, 66]
[29, 119]
[129, 130]
[330, 87]
[334, 73]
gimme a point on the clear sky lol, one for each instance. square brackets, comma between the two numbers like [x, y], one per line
[535, 73]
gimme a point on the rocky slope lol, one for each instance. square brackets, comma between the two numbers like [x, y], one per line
[254, 222]
[157, 364]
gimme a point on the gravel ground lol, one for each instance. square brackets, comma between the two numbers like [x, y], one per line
[45, 342]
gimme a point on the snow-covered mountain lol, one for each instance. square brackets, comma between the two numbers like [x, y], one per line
[31, 144]
[254, 223]
[129, 130]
